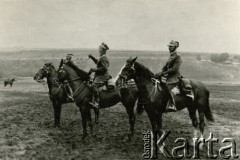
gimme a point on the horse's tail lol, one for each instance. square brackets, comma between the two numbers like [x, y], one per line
[140, 108]
[208, 112]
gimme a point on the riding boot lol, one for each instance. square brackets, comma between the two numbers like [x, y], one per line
[171, 106]
[69, 93]
[190, 95]
[95, 99]
[188, 91]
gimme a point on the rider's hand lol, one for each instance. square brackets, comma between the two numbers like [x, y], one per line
[90, 56]
[164, 73]
[92, 70]
[158, 75]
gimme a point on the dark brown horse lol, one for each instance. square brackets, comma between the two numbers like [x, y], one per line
[9, 81]
[78, 80]
[155, 100]
[57, 93]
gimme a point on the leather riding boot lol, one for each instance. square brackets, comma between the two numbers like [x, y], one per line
[95, 99]
[171, 107]
[190, 94]
[69, 93]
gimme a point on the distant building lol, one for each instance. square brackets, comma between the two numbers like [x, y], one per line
[228, 61]
[205, 60]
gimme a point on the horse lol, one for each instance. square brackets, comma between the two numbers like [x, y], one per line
[9, 81]
[155, 100]
[78, 80]
[57, 93]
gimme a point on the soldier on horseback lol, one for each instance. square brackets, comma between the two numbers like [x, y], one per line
[67, 87]
[101, 75]
[171, 76]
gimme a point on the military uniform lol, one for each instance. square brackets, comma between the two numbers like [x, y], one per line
[171, 73]
[171, 69]
[101, 75]
[67, 87]
[101, 72]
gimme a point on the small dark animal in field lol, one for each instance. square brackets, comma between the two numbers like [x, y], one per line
[9, 81]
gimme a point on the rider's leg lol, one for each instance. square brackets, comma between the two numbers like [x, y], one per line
[187, 88]
[69, 91]
[95, 98]
[171, 102]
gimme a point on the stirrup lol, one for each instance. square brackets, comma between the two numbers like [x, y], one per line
[171, 108]
[190, 96]
[94, 105]
[70, 99]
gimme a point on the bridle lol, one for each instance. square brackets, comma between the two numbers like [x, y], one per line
[155, 81]
[46, 69]
[125, 78]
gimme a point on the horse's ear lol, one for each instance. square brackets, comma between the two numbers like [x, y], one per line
[134, 59]
[61, 63]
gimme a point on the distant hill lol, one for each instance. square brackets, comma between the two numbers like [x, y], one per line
[25, 63]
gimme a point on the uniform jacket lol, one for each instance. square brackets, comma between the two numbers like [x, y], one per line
[171, 68]
[101, 72]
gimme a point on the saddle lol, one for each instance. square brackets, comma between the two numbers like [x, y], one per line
[108, 86]
[183, 87]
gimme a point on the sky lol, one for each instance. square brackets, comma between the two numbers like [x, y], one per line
[198, 25]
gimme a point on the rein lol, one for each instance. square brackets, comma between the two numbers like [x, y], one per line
[78, 78]
[156, 81]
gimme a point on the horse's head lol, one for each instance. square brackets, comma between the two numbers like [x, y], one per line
[128, 71]
[43, 72]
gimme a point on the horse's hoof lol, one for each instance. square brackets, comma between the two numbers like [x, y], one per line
[96, 122]
[57, 125]
[130, 136]
[84, 136]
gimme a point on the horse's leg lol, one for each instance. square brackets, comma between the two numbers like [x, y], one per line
[131, 116]
[201, 125]
[57, 113]
[153, 134]
[192, 113]
[96, 112]
[83, 110]
[89, 122]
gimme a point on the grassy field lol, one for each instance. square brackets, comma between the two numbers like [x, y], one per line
[26, 113]
[27, 132]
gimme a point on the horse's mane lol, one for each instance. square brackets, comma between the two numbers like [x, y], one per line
[81, 73]
[50, 65]
[144, 71]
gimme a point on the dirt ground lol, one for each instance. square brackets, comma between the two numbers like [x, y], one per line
[27, 132]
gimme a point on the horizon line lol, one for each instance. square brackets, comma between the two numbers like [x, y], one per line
[20, 48]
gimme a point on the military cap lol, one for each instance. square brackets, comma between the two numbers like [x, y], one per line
[70, 54]
[173, 43]
[104, 46]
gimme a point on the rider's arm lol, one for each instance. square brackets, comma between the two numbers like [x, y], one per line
[104, 64]
[93, 58]
[175, 67]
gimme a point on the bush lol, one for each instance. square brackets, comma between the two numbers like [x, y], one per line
[199, 57]
[219, 58]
